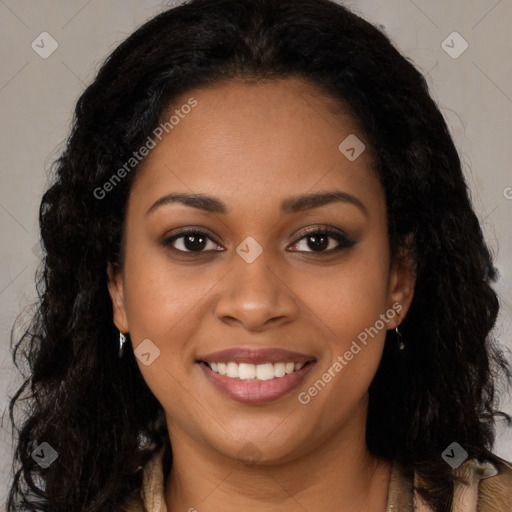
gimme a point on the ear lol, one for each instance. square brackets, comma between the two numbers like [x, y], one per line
[116, 291]
[401, 284]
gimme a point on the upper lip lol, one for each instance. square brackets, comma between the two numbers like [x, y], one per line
[255, 356]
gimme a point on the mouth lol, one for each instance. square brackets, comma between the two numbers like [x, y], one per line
[255, 376]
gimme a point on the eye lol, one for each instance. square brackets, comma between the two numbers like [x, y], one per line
[190, 241]
[321, 241]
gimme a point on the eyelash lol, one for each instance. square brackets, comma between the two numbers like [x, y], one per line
[343, 241]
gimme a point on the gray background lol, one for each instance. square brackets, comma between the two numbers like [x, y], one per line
[37, 98]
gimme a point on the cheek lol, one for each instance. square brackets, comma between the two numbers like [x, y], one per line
[356, 337]
[161, 304]
[350, 296]
[352, 302]
[159, 293]
[160, 301]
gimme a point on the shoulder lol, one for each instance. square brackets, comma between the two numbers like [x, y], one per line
[151, 494]
[495, 492]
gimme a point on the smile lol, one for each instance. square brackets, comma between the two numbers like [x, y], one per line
[256, 376]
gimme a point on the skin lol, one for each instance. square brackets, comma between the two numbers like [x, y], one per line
[253, 145]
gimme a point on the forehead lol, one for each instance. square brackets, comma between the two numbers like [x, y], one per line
[262, 140]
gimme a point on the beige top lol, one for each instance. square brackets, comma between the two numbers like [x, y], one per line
[488, 489]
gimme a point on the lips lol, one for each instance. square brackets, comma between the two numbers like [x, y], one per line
[255, 376]
[259, 356]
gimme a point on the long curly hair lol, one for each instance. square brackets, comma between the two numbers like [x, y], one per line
[95, 409]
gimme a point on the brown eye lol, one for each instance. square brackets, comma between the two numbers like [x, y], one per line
[321, 241]
[191, 241]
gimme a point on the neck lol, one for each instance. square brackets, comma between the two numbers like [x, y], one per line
[337, 474]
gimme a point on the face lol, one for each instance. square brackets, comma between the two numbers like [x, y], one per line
[277, 291]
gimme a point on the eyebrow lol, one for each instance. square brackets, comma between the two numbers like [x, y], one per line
[288, 206]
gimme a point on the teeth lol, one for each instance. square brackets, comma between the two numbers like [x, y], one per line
[265, 371]
[246, 371]
[232, 370]
[280, 369]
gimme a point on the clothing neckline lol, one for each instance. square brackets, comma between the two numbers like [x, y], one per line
[401, 495]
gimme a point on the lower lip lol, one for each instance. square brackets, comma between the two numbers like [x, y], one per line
[258, 392]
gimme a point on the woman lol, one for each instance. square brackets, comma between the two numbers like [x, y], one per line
[263, 204]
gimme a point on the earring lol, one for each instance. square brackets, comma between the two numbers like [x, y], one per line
[122, 341]
[399, 339]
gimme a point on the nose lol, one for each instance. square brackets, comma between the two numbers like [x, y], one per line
[256, 296]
